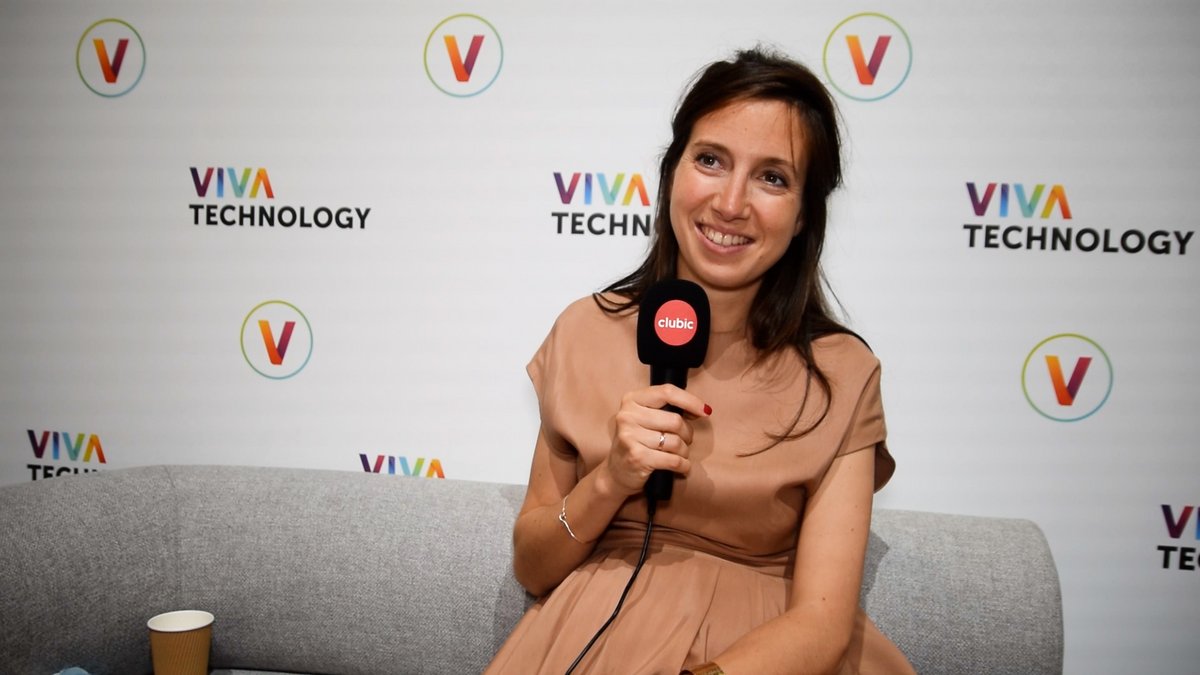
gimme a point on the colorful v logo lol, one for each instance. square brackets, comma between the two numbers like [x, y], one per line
[867, 70]
[276, 351]
[120, 58]
[475, 51]
[463, 69]
[1067, 400]
[111, 69]
[1066, 391]
[267, 357]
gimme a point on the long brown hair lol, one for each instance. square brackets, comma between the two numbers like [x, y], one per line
[790, 309]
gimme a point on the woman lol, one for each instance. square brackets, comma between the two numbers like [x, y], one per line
[756, 560]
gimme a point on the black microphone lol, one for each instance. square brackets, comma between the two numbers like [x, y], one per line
[672, 336]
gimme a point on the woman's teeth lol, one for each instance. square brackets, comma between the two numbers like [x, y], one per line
[721, 239]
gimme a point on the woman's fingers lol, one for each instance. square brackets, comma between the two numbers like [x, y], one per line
[666, 441]
[662, 395]
[651, 436]
[654, 422]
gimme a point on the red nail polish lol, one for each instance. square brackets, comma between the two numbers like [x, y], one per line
[707, 409]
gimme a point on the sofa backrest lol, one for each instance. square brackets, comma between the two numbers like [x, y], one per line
[314, 571]
[965, 594]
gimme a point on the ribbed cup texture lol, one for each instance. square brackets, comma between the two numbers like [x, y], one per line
[181, 653]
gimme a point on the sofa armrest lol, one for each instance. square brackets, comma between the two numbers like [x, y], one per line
[965, 594]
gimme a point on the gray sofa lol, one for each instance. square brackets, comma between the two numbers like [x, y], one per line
[347, 573]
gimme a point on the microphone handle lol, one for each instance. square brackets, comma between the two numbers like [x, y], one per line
[658, 487]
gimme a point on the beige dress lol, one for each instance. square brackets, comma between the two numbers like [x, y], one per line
[720, 560]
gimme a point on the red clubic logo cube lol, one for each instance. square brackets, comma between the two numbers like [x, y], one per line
[675, 323]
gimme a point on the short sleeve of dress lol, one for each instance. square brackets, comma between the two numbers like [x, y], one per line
[868, 430]
[544, 371]
[539, 364]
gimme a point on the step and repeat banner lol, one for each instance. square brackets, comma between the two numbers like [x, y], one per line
[331, 235]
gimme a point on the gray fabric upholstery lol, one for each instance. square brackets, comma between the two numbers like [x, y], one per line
[83, 565]
[963, 594]
[345, 573]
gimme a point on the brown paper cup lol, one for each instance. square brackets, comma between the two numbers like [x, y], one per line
[179, 642]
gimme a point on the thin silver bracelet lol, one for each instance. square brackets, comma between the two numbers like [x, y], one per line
[562, 518]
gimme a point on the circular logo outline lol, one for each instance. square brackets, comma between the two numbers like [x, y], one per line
[311, 339]
[79, 67]
[425, 55]
[1111, 377]
[825, 56]
[682, 311]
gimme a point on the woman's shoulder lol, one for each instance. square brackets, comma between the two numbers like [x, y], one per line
[583, 346]
[597, 311]
[845, 354]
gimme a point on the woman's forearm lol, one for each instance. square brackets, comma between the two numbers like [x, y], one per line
[802, 641]
[545, 551]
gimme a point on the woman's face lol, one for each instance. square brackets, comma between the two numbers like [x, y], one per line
[735, 198]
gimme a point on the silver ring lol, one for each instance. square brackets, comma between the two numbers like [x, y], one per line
[662, 438]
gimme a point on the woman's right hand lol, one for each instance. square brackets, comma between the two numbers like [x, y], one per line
[649, 438]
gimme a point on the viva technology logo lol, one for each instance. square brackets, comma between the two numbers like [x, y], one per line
[463, 55]
[1008, 215]
[1176, 522]
[216, 184]
[110, 58]
[867, 57]
[63, 446]
[277, 339]
[595, 190]
[434, 469]
[1067, 377]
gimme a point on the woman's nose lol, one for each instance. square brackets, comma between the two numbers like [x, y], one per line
[730, 200]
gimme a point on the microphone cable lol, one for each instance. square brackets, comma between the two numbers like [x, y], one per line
[651, 508]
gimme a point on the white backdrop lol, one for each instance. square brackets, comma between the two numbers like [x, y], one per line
[129, 327]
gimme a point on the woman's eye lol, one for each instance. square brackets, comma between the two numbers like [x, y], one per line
[707, 159]
[775, 179]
